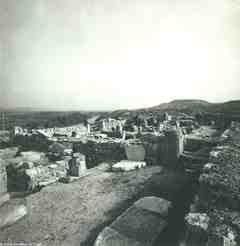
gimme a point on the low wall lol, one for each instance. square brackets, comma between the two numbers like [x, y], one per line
[33, 142]
[157, 150]
[97, 152]
[194, 144]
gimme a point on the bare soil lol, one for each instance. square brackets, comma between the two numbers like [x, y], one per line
[73, 214]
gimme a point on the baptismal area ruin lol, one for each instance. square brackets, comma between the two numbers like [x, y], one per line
[165, 179]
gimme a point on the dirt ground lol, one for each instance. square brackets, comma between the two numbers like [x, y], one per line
[73, 214]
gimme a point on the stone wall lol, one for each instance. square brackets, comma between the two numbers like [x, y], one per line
[3, 178]
[219, 197]
[158, 150]
[153, 147]
[98, 152]
[194, 143]
[26, 176]
[164, 149]
[32, 142]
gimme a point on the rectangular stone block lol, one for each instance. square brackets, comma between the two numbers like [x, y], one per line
[135, 152]
[139, 224]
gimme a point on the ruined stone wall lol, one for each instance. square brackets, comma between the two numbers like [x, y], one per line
[218, 196]
[3, 178]
[165, 149]
[171, 148]
[194, 144]
[98, 152]
[26, 176]
[33, 142]
[153, 147]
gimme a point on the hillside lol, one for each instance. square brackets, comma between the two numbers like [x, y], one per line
[183, 105]
[191, 106]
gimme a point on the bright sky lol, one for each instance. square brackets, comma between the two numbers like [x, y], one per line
[112, 54]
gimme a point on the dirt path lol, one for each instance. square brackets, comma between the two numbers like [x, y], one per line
[73, 214]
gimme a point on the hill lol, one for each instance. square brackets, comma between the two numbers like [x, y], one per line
[183, 105]
[191, 106]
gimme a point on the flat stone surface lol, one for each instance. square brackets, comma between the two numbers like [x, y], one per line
[11, 212]
[139, 224]
[154, 204]
[4, 198]
[75, 213]
[126, 165]
[110, 237]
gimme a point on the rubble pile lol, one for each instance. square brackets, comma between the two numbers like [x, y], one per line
[28, 176]
[8, 153]
[220, 183]
[100, 151]
[201, 138]
[219, 196]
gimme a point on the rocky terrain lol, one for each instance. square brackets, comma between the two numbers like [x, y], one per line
[218, 196]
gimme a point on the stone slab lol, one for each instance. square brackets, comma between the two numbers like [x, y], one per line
[154, 204]
[135, 152]
[110, 237]
[126, 165]
[139, 224]
[11, 212]
[4, 198]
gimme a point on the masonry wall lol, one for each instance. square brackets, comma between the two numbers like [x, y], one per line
[165, 149]
[33, 142]
[218, 196]
[3, 178]
[97, 152]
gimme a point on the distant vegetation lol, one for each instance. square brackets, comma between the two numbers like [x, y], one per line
[48, 119]
[43, 119]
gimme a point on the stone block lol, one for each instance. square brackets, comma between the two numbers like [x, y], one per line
[140, 225]
[32, 156]
[11, 212]
[4, 198]
[126, 165]
[135, 152]
[111, 237]
[77, 165]
[216, 240]
[154, 204]
[197, 225]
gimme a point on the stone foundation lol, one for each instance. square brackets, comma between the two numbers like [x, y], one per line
[98, 152]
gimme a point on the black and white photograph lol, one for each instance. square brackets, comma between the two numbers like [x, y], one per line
[119, 122]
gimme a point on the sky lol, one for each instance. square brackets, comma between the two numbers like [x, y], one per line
[115, 54]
